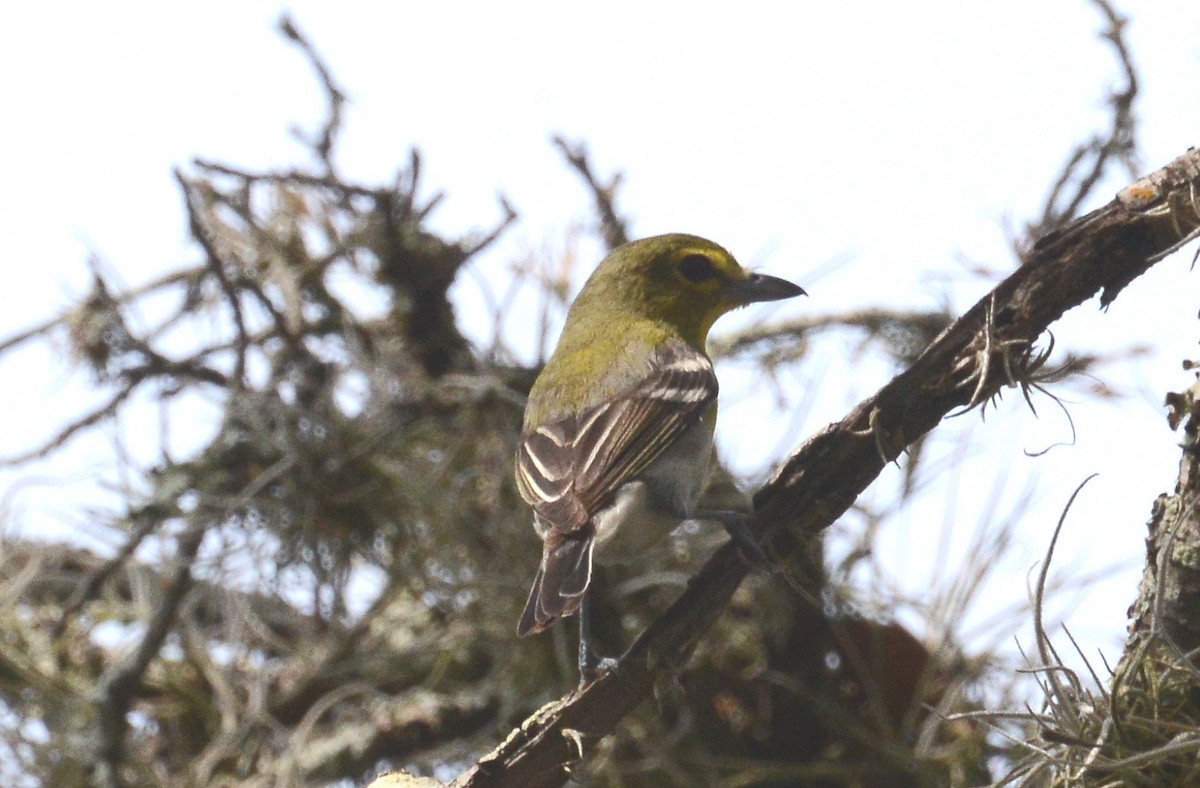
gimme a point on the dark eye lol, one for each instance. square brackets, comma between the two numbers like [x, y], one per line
[696, 268]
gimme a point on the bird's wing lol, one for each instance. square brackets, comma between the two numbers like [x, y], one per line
[567, 469]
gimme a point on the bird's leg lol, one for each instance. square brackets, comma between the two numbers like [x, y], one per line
[590, 664]
[735, 525]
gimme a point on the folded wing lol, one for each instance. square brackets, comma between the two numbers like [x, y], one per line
[569, 469]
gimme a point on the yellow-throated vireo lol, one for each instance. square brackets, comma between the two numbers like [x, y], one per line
[618, 432]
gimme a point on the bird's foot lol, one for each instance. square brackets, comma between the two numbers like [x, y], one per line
[593, 666]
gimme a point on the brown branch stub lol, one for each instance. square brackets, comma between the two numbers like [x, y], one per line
[1099, 253]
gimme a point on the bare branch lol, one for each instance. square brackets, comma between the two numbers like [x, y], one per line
[325, 144]
[64, 435]
[216, 266]
[1089, 161]
[118, 687]
[613, 227]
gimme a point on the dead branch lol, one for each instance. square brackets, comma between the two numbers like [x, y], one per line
[118, 687]
[614, 228]
[1089, 161]
[324, 145]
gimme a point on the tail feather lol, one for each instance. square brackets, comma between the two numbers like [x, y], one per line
[560, 582]
[529, 618]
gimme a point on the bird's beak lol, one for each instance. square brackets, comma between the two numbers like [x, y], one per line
[760, 287]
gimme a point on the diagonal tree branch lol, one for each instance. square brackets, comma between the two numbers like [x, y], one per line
[989, 347]
[119, 687]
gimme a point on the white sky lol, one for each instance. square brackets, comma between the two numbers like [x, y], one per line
[902, 134]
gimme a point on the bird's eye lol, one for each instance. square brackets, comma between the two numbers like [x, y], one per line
[696, 268]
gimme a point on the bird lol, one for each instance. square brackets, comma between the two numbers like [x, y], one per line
[617, 438]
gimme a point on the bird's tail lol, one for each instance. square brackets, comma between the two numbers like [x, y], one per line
[560, 582]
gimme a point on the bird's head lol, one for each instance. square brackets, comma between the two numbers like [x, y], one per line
[683, 280]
